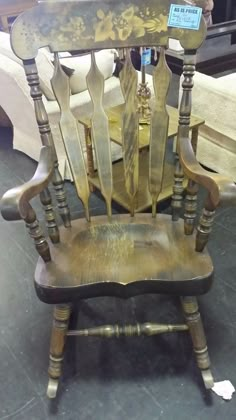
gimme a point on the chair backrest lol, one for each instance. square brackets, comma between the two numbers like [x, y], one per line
[92, 25]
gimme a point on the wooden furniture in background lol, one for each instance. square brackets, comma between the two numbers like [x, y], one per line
[122, 255]
[10, 9]
[143, 199]
[217, 54]
[224, 11]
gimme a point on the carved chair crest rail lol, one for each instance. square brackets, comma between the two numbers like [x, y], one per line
[121, 255]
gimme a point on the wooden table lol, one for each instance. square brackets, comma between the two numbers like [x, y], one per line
[143, 199]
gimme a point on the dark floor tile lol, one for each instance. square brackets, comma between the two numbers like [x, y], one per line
[8, 178]
[228, 220]
[33, 411]
[222, 246]
[16, 391]
[30, 342]
[19, 164]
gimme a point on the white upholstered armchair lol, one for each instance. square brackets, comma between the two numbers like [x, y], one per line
[217, 140]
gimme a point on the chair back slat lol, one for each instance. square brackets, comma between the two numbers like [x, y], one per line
[130, 129]
[70, 134]
[91, 25]
[159, 129]
[100, 132]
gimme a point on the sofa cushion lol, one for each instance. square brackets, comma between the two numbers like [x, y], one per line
[217, 139]
[81, 65]
[43, 61]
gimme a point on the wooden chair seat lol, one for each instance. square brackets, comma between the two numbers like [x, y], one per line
[125, 257]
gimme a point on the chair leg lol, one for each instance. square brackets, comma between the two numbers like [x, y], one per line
[193, 319]
[61, 318]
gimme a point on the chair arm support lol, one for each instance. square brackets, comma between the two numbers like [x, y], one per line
[15, 202]
[222, 190]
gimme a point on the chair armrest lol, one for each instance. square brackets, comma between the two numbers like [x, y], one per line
[222, 190]
[15, 202]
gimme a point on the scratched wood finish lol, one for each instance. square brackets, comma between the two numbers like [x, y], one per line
[46, 136]
[178, 189]
[194, 322]
[204, 229]
[110, 331]
[61, 317]
[115, 258]
[70, 134]
[189, 67]
[53, 231]
[143, 199]
[159, 129]
[122, 256]
[130, 129]
[183, 131]
[190, 205]
[221, 190]
[100, 132]
[98, 25]
[185, 116]
[37, 235]
[15, 204]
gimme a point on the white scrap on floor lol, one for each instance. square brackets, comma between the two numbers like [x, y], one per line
[224, 389]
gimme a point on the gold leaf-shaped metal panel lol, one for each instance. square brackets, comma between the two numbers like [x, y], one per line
[70, 134]
[130, 128]
[100, 132]
[159, 128]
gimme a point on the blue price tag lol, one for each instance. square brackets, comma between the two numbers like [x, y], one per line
[185, 17]
[146, 57]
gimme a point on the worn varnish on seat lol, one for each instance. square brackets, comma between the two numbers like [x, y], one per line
[123, 258]
[116, 255]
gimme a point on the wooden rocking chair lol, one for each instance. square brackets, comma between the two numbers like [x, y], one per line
[122, 255]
